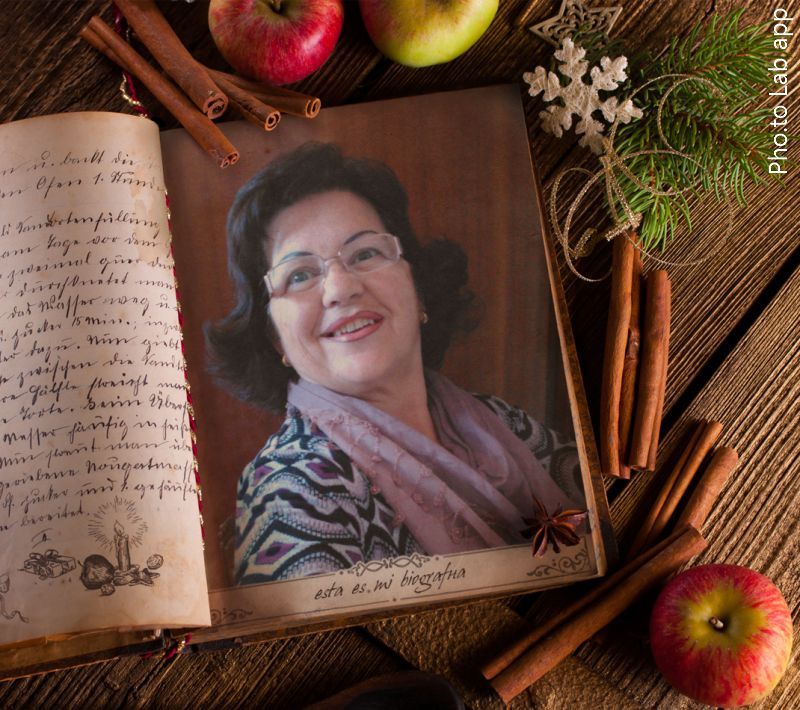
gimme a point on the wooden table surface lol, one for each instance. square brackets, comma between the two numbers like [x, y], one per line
[735, 356]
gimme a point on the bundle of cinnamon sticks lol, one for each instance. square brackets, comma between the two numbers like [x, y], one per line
[650, 562]
[192, 93]
[538, 652]
[634, 363]
[680, 479]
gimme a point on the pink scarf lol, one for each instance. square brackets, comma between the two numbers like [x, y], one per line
[469, 492]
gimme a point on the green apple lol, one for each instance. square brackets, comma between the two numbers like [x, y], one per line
[419, 33]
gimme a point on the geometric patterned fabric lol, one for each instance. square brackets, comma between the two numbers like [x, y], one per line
[303, 508]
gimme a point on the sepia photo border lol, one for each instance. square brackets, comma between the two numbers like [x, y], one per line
[379, 588]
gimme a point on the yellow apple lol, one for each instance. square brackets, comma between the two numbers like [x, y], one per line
[419, 33]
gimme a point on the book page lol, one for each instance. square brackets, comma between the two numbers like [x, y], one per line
[99, 517]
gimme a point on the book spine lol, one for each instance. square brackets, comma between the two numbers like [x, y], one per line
[189, 403]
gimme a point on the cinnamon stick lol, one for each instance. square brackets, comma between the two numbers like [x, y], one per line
[654, 343]
[92, 38]
[562, 641]
[285, 100]
[500, 662]
[200, 127]
[630, 367]
[642, 536]
[683, 480]
[250, 107]
[156, 34]
[678, 480]
[708, 488]
[619, 316]
[662, 391]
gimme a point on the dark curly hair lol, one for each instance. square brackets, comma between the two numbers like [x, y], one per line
[241, 347]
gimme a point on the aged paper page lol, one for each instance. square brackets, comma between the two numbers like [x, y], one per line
[99, 519]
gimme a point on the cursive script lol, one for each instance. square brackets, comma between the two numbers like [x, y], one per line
[93, 404]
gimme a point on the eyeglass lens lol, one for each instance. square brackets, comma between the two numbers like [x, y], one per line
[367, 252]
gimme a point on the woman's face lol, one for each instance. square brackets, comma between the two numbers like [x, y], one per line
[314, 326]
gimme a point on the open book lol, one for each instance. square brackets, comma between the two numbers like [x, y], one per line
[105, 540]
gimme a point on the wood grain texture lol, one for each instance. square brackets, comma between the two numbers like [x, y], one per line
[281, 674]
[755, 522]
[710, 299]
[734, 352]
[457, 640]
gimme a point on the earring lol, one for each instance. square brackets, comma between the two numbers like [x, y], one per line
[423, 318]
[285, 361]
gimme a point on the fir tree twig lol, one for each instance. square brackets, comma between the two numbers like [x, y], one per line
[709, 119]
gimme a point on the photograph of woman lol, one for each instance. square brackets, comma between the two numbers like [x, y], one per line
[341, 319]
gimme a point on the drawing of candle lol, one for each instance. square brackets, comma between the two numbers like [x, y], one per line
[121, 545]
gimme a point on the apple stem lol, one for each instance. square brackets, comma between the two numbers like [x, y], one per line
[275, 4]
[716, 623]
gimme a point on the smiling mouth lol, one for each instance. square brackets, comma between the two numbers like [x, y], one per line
[354, 326]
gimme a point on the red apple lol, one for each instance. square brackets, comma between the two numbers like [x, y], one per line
[721, 634]
[275, 41]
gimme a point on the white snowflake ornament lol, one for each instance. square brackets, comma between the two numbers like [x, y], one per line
[580, 98]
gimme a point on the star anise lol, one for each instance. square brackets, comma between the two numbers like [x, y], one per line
[546, 529]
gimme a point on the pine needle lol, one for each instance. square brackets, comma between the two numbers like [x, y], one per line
[712, 120]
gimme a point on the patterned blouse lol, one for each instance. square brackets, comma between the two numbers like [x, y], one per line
[303, 508]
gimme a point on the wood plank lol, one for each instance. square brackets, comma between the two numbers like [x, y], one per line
[452, 642]
[274, 674]
[756, 393]
[505, 51]
[60, 72]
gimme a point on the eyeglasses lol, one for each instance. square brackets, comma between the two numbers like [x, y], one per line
[366, 252]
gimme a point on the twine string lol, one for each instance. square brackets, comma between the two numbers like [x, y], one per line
[625, 218]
